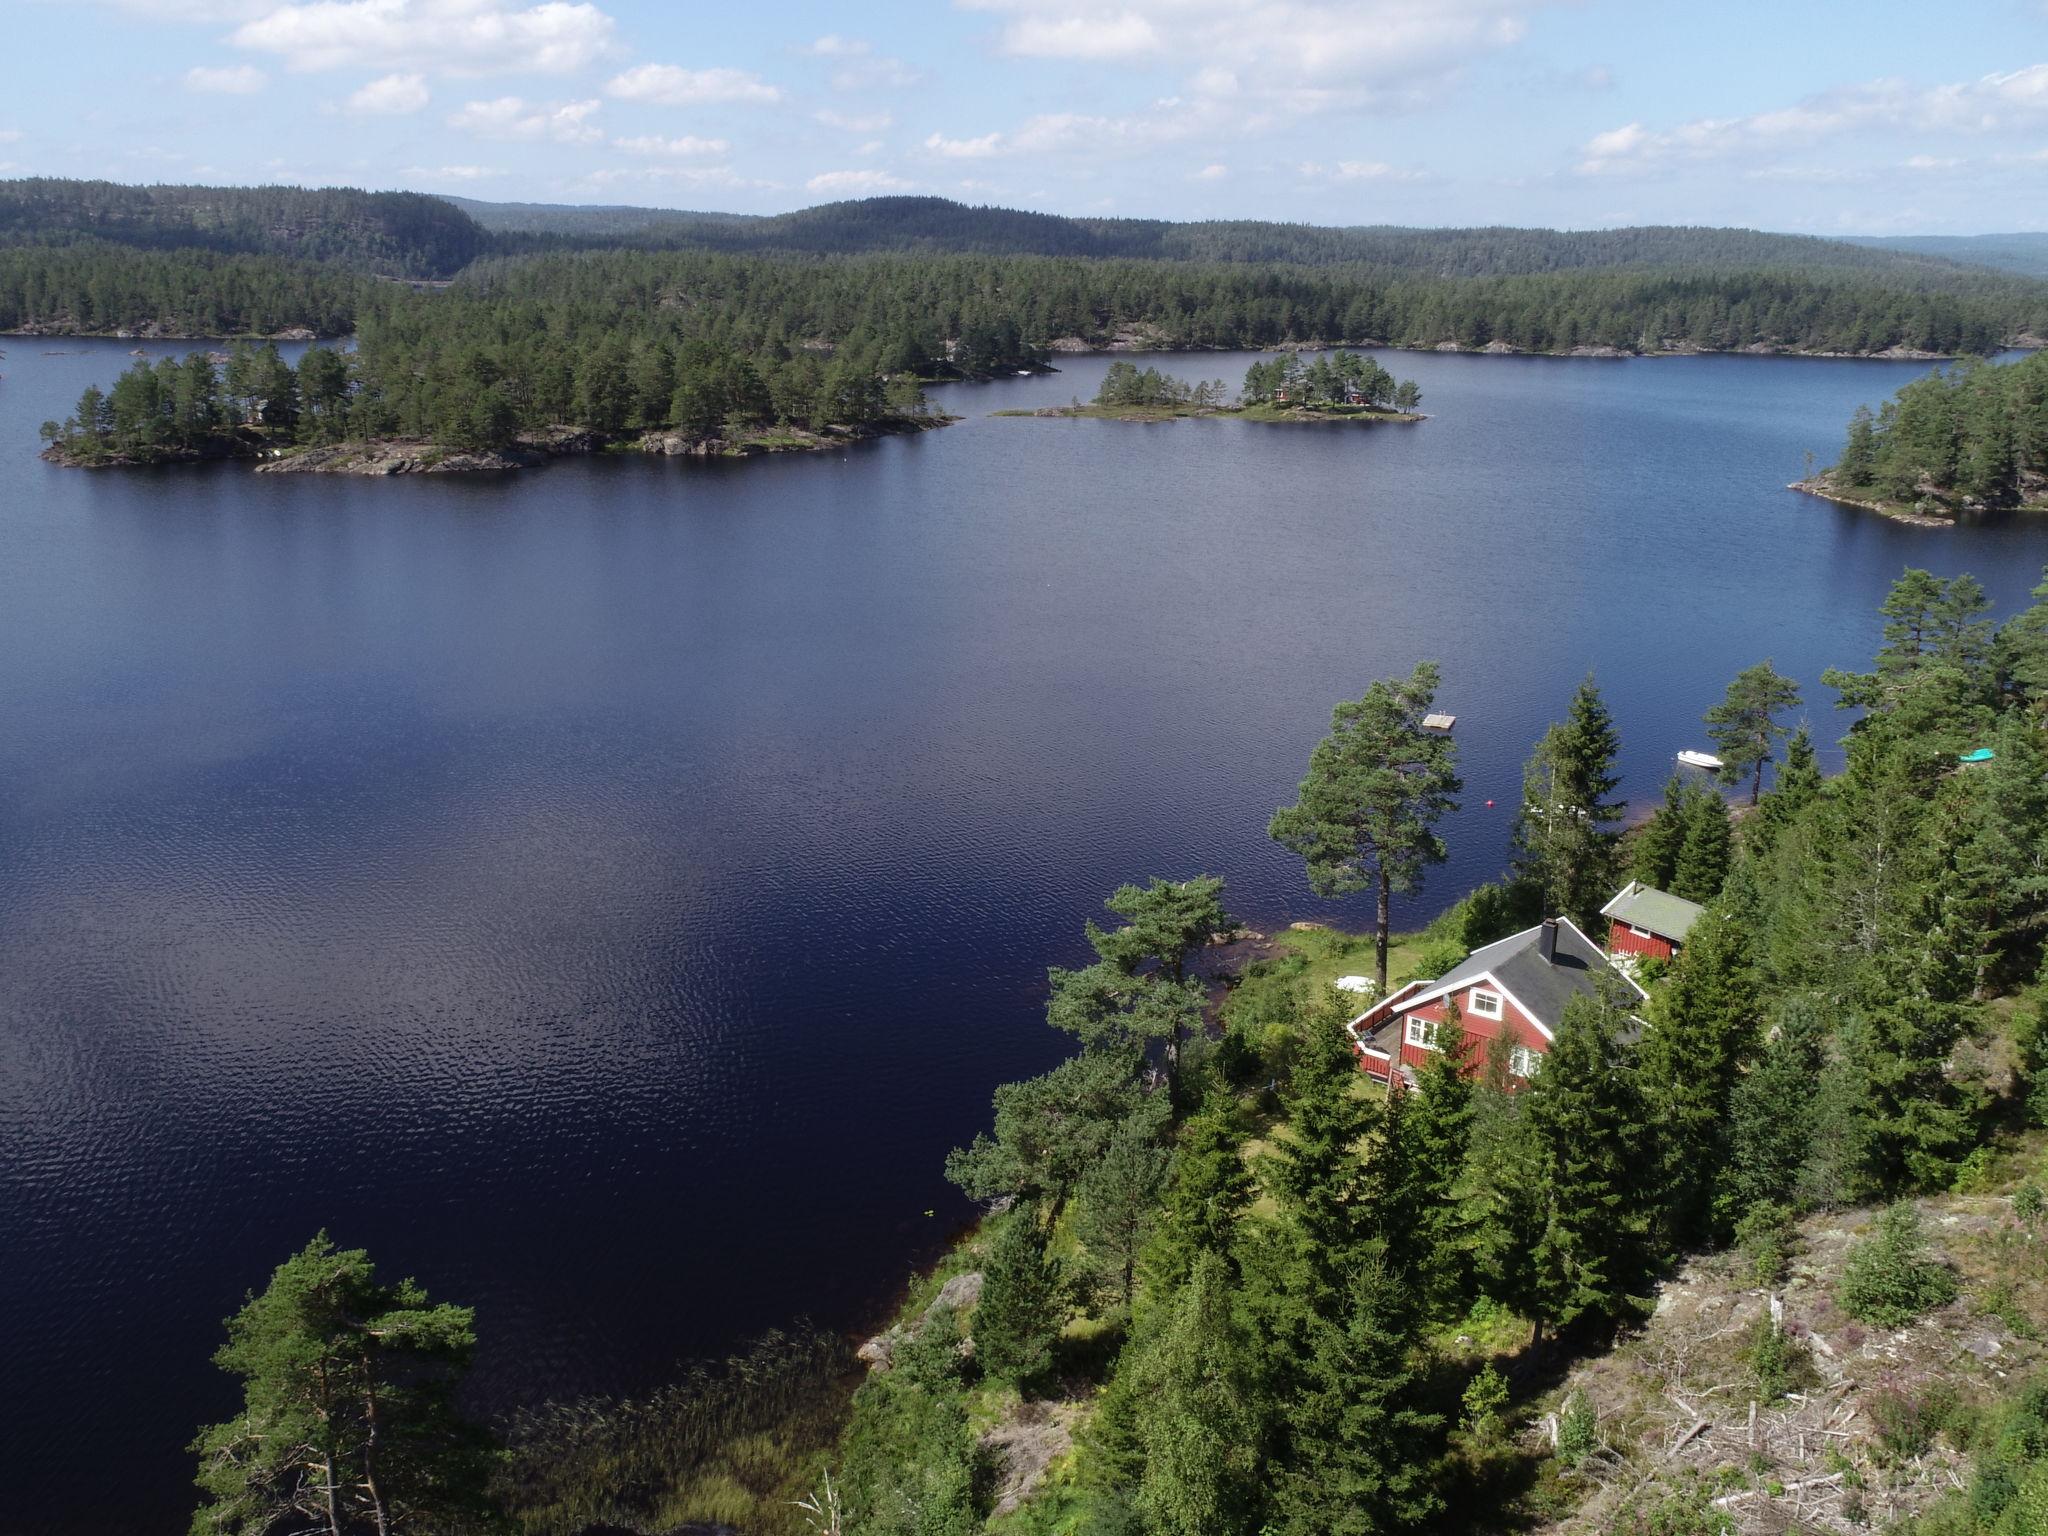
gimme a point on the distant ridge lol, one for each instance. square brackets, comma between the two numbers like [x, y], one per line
[881, 224]
[2026, 254]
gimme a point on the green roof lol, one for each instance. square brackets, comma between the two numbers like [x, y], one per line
[1661, 912]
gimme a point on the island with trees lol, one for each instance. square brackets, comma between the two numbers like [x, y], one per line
[1757, 1248]
[1337, 386]
[337, 413]
[1970, 438]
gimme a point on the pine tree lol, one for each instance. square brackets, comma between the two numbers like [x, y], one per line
[348, 1423]
[1019, 1315]
[1744, 725]
[1376, 787]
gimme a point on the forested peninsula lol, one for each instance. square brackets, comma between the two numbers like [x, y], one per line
[1752, 1245]
[1972, 438]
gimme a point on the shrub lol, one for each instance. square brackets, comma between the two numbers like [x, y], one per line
[1779, 1362]
[1435, 956]
[1578, 1430]
[1764, 1238]
[1888, 1279]
[1485, 1402]
[2028, 1202]
[1686, 1510]
[1907, 1422]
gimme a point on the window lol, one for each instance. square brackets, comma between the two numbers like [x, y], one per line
[1422, 1033]
[1641, 933]
[1485, 1004]
[1525, 1063]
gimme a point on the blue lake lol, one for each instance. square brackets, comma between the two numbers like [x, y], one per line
[606, 892]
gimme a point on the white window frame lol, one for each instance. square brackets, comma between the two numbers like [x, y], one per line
[1523, 1062]
[1641, 933]
[1421, 1033]
[1487, 1005]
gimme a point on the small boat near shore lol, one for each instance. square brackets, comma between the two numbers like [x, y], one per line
[1695, 759]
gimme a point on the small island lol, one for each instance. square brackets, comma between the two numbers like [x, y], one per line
[1963, 440]
[332, 415]
[1339, 386]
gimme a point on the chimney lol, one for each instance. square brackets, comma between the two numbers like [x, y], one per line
[1546, 941]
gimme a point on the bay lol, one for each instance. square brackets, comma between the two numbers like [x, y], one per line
[606, 892]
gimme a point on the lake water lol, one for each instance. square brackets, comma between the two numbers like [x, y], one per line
[606, 892]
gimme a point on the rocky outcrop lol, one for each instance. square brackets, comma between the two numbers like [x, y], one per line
[959, 1294]
[395, 458]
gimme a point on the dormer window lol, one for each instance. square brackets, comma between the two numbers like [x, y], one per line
[1485, 1004]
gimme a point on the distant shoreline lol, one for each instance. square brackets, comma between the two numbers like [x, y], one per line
[1265, 413]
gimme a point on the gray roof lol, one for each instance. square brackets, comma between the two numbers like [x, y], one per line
[1661, 912]
[1541, 986]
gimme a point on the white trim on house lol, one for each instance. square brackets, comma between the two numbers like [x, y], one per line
[1480, 997]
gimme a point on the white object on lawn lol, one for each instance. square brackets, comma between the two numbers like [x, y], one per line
[1357, 984]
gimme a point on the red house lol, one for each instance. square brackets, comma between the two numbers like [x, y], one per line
[1517, 986]
[1648, 923]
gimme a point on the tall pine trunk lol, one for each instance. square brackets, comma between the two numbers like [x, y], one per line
[1382, 923]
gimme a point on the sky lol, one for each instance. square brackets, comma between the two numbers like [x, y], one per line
[1879, 117]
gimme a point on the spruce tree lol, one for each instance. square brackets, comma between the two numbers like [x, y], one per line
[1654, 849]
[1705, 850]
[1116, 1205]
[1207, 1191]
[1771, 1114]
[1361, 1450]
[1702, 1028]
[1020, 1313]
[1586, 1121]
[1318, 1170]
[1499, 1200]
[1196, 1415]
[1412, 1178]
[1565, 834]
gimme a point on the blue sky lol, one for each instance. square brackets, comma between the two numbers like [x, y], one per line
[1876, 117]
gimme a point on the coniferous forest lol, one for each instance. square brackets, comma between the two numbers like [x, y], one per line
[1968, 437]
[1225, 1286]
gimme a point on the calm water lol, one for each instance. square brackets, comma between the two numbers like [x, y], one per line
[606, 892]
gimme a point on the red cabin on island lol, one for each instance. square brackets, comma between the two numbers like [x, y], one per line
[1517, 987]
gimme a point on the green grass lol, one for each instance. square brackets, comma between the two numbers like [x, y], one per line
[1327, 953]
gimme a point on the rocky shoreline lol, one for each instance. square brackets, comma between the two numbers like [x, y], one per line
[1819, 486]
[416, 456]
[1149, 339]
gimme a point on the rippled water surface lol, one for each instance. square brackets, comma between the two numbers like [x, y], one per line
[607, 891]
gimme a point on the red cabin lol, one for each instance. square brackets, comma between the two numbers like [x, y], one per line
[1517, 986]
[1648, 924]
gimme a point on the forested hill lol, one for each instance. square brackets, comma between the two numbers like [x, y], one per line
[2026, 254]
[391, 234]
[882, 224]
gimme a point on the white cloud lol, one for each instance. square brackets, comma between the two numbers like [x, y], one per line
[687, 175]
[686, 147]
[855, 122]
[11, 135]
[964, 149]
[1210, 173]
[451, 172]
[456, 37]
[856, 183]
[670, 85]
[833, 46]
[1295, 50]
[861, 67]
[227, 80]
[1991, 104]
[390, 96]
[511, 117]
[1932, 162]
[1125, 35]
[1372, 170]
